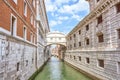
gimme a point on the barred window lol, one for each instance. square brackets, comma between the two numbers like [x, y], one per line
[118, 7]
[100, 38]
[99, 19]
[101, 63]
[18, 64]
[74, 58]
[79, 58]
[79, 31]
[118, 33]
[74, 44]
[87, 41]
[87, 27]
[74, 35]
[79, 43]
[87, 60]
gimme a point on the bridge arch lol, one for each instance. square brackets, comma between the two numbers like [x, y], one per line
[56, 38]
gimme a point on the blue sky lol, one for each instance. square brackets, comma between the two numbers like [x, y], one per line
[64, 15]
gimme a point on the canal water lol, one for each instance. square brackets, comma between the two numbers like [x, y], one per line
[57, 70]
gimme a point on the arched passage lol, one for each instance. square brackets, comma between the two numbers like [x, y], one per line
[57, 38]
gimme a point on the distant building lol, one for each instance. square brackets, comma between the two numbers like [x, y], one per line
[94, 44]
[55, 51]
[23, 27]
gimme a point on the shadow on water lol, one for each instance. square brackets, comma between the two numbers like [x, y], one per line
[57, 70]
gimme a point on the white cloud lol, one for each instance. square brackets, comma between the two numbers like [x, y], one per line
[82, 5]
[77, 17]
[61, 10]
[63, 17]
[53, 6]
[50, 7]
[54, 23]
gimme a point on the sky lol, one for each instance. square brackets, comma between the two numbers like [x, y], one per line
[64, 15]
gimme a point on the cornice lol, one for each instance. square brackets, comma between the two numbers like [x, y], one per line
[104, 5]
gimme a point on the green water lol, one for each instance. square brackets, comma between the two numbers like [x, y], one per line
[57, 70]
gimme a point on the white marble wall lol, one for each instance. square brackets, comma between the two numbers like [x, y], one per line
[13, 51]
[111, 70]
[108, 50]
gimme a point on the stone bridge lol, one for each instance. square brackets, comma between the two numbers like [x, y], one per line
[56, 38]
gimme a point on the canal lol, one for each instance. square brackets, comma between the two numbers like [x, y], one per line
[57, 70]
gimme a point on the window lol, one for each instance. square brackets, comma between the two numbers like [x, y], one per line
[79, 31]
[79, 58]
[100, 38]
[13, 25]
[87, 60]
[18, 64]
[87, 41]
[74, 44]
[25, 8]
[118, 33]
[15, 1]
[87, 27]
[99, 19]
[118, 7]
[101, 63]
[31, 37]
[74, 35]
[24, 33]
[26, 62]
[79, 43]
[74, 58]
[118, 68]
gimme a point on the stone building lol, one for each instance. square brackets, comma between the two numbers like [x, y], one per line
[93, 45]
[42, 29]
[21, 27]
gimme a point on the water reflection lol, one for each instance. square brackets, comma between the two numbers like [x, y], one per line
[57, 70]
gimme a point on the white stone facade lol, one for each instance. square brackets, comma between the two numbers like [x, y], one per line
[21, 56]
[42, 29]
[56, 38]
[13, 51]
[84, 41]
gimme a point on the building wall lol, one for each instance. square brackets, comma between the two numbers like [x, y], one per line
[42, 29]
[15, 51]
[20, 42]
[106, 50]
